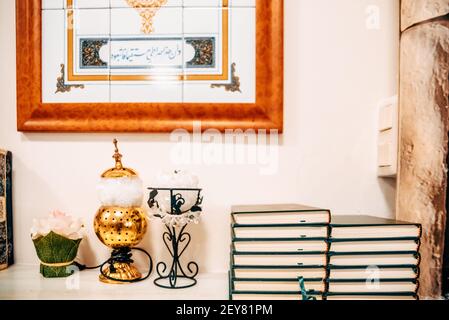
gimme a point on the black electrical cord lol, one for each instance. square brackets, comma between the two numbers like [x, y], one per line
[122, 255]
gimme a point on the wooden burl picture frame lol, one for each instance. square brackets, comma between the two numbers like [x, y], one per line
[108, 82]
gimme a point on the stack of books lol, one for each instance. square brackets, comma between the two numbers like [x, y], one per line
[279, 252]
[373, 259]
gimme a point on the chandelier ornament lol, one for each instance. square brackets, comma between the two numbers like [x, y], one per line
[147, 10]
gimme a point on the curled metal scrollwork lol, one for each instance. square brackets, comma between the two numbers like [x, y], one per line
[176, 243]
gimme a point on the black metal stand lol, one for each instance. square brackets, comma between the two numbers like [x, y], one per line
[176, 278]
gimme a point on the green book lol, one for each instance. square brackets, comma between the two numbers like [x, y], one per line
[280, 214]
[379, 287]
[371, 296]
[271, 296]
[299, 244]
[312, 286]
[278, 273]
[374, 259]
[372, 273]
[250, 267]
[363, 246]
[279, 259]
[368, 228]
[276, 232]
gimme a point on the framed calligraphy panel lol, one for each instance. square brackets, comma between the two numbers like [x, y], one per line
[149, 65]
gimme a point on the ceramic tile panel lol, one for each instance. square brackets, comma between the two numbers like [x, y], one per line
[180, 3]
[88, 4]
[243, 3]
[90, 47]
[75, 4]
[203, 44]
[153, 92]
[131, 21]
[203, 3]
[202, 20]
[53, 53]
[92, 22]
[243, 51]
[53, 4]
[219, 3]
[234, 55]
[74, 69]
[124, 51]
[147, 57]
[145, 3]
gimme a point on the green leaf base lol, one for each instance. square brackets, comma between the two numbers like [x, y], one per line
[56, 272]
[56, 249]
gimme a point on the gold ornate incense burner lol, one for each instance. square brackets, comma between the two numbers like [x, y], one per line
[147, 10]
[120, 227]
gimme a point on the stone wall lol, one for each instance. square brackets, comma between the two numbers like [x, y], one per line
[415, 11]
[424, 125]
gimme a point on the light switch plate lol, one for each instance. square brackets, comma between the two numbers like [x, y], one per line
[387, 117]
[388, 138]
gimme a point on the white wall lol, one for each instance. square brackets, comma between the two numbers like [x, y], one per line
[336, 71]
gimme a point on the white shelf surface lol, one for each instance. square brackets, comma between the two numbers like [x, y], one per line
[21, 282]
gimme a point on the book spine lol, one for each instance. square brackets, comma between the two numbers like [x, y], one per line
[418, 258]
[418, 266]
[230, 273]
[229, 286]
[417, 270]
[420, 231]
[328, 257]
[9, 208]
[6, 229]
[418, 244]
[329, 217]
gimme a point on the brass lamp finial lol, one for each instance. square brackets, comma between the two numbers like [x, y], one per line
[119, 171]
[117, 156]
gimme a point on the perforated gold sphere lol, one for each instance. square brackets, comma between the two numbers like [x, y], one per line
[118, 227]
